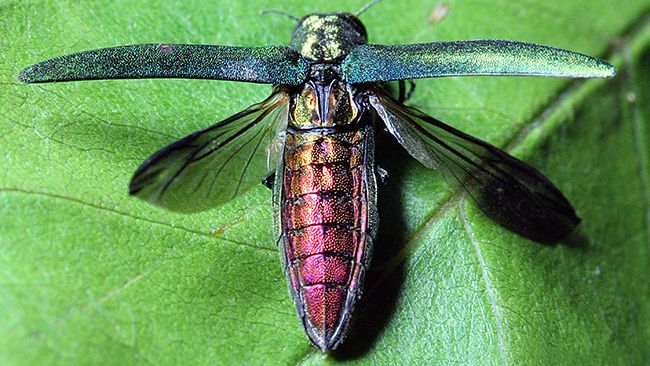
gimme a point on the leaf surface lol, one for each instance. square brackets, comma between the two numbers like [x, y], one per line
[92, 276]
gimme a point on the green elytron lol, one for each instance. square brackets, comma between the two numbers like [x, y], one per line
[318, 125]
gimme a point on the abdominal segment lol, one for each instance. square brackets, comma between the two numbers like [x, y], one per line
[325, 200]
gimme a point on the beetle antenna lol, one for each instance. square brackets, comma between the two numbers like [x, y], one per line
[366, 7]
[275, 11]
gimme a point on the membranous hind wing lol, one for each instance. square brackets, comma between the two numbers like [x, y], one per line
[511, 192]
[212, 166]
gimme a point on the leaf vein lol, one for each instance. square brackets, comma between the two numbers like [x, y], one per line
[639, 132]
[132, 216]
[489, 288]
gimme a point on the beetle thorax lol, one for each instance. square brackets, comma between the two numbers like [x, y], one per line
[328, 37]
[323, 106]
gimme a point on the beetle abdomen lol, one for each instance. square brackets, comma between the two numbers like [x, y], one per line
[326, 198]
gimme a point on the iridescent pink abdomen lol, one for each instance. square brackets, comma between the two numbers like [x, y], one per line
[326, 214]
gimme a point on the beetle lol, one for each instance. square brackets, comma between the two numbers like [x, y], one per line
[312, 141]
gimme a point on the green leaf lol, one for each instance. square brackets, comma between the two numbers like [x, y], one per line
[92, 276]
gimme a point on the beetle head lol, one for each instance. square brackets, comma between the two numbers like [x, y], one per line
[328, 37]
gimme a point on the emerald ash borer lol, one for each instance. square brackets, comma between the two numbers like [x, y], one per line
[317, 131]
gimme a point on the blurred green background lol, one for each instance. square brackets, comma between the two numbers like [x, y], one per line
[91, 276]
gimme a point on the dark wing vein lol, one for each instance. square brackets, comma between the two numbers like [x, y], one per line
[193, 158]
[234, 154]
[251, 157]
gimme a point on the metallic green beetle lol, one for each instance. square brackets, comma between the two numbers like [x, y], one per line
[319, 127]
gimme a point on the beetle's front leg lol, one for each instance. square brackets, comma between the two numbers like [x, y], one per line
[404, 94]
[269, 180]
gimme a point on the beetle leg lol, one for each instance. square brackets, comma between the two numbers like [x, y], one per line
[269, 180]
[405, 95]
[401, 93]
[399, 90]
[382, 174]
